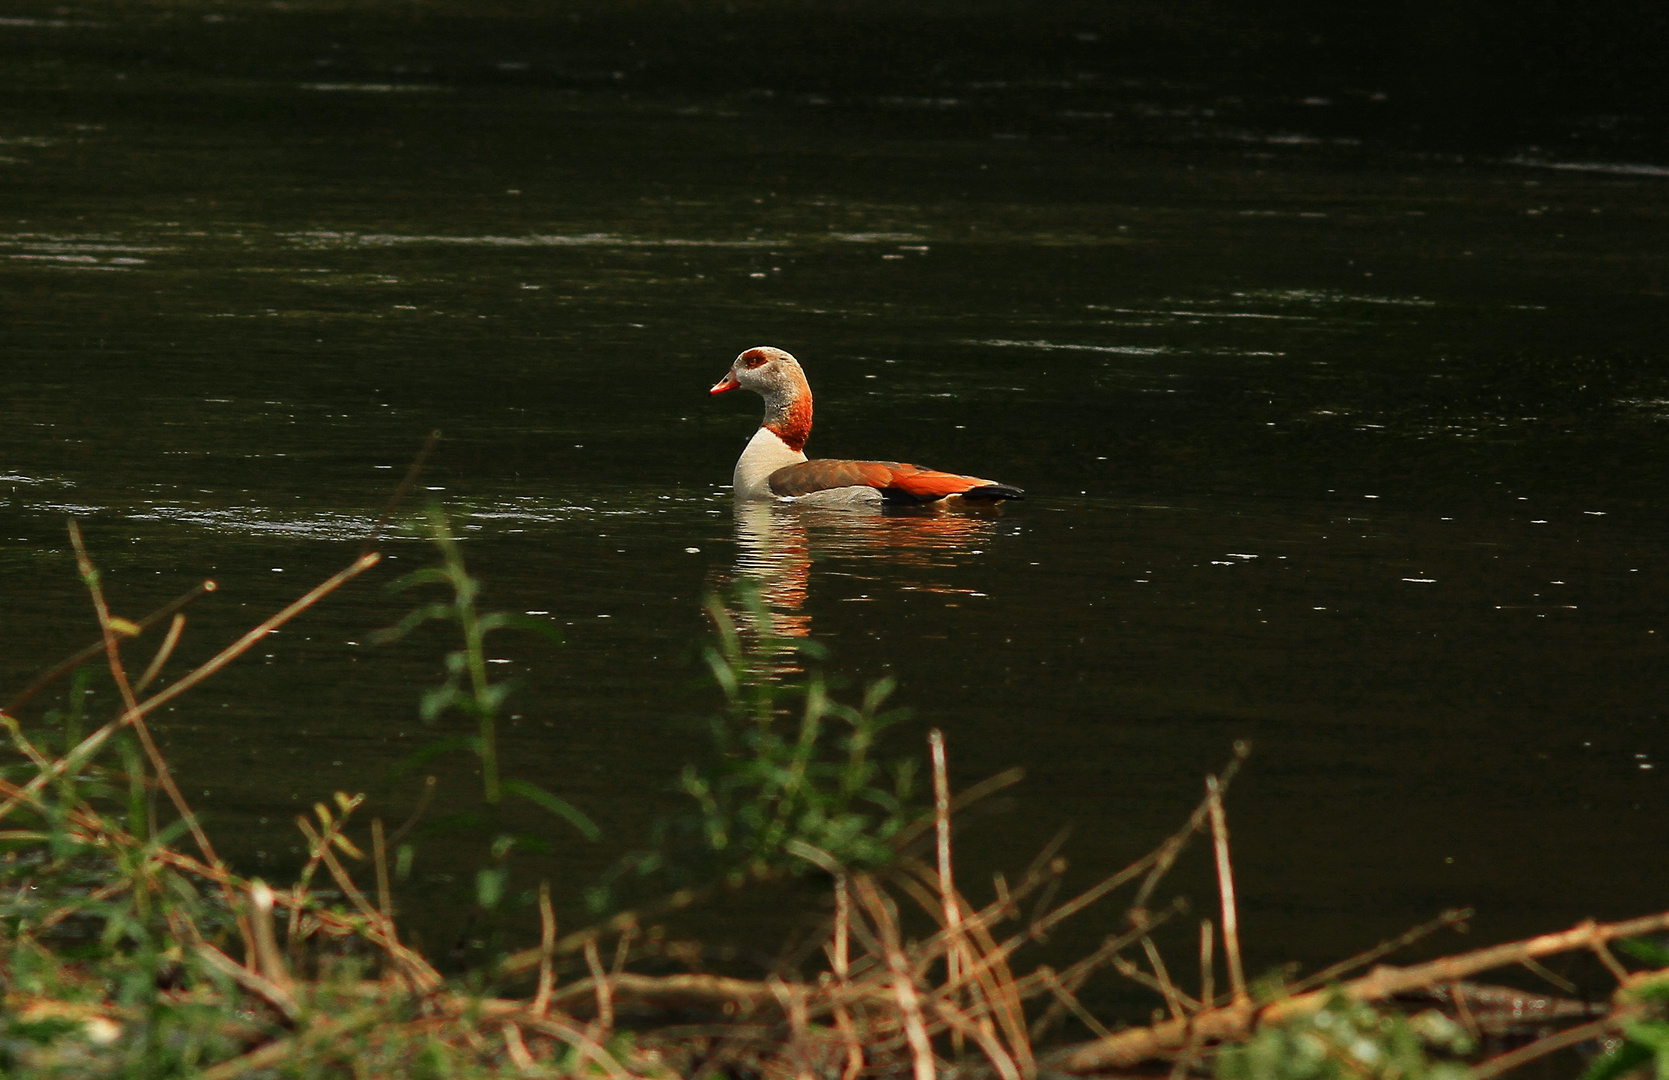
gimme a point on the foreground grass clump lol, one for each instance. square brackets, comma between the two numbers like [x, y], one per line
[128, 948]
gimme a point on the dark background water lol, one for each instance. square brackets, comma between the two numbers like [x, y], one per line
[1328, 346]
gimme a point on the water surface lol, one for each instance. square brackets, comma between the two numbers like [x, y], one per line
[1344, 445]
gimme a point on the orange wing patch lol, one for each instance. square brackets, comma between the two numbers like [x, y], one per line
[897, 481]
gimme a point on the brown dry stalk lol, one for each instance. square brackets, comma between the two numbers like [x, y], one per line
[1183, 1003]
[71, 662]
[1236, 1021]
[517, 1051]
[274, 994]
[984, 968]
[279, 1049]
[1208, 967]
[100, 830]
[1074, 977]
[58, 915]
[1548, 1044]
[839, 957]
[21, 741]
[1452, 917]
[133, 717]
[1069, 1001]
[1225, 888]
[1174, 998]
[903, 988]
[379, 854]
[602, 987]
[580, 1041]
[1166, 854]
[952, 912]
[981, 1034]
[270, 960]
[90, 745]
[380, 930]
[175, 628]
[547, 939]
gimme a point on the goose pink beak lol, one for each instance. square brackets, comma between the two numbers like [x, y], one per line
[727, 383]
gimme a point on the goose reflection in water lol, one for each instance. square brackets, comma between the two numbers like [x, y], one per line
[776, 545]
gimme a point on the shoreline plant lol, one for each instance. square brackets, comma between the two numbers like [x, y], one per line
[129, 948]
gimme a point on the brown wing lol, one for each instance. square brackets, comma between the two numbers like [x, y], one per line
[895, 480]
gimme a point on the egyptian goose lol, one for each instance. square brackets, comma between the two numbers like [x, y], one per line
[774, 465]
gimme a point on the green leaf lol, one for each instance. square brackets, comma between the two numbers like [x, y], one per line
[560, 807]
[1619, 1062]
[434, 750]
[412, 621]
[436, 700]
[510, 620]
[1655, 953]
[495, 694]
[429, 575]
[1653, 1034]
[489, 886]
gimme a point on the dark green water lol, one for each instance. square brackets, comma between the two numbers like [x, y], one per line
[1342, 442]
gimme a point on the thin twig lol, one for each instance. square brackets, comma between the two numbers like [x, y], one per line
[947, 886]
[1548, 1044]
[1173, 996]
[1610, 961]
[71, 662]
[1234, 1021]
[423, 800]
[600, 981]
[1208, 966]
[1225, 887]
[134, 717]
[999, 1057]
[1452, 917]
[1070, 1002]
[904, 990]
[379, 854]
[516, 1049]
[175, 628]
[90, 745]
[413, 471]
[547, 939]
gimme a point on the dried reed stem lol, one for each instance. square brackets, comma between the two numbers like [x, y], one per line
[952, 913]
[269, 960]
[1610, 961]
[133, 717]
[415, 968]
[90, 745]
[1208, 968]
[1452, 917]
[1173, 997]
[580, 1041]
[1070, 1002]
[601, 985]
[903, 987]
[276, 995]
[981, 1034]
[839, 959]
[547, 939]
[1548, 1044]
[175, 628]
[1236, 1020]
[379, 855]
[1225, 887]
[516, 1049]
[71, 662]
[413, 471]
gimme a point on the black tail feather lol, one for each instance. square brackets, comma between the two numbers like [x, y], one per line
[994, 492]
